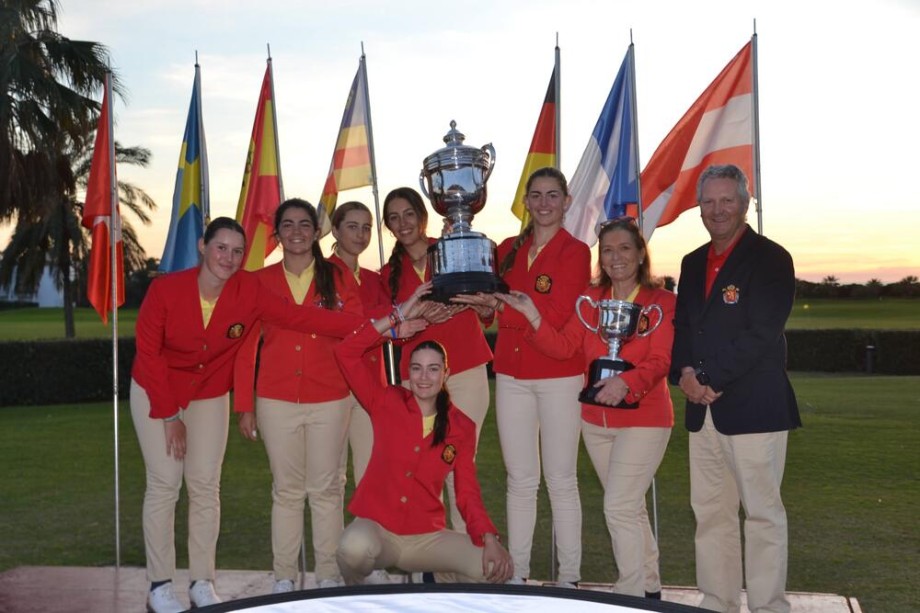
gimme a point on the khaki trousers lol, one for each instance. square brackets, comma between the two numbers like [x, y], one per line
[541, 418]
[723, 471]
[360, 440]
[304, 443]
[366, 545]
[206, 425]
[626, 460]
[469, 392]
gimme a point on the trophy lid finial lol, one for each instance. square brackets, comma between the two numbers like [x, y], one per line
[454, 137]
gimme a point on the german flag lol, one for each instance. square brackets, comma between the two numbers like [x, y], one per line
[542, 147]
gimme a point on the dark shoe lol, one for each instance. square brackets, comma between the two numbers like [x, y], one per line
[653, 595]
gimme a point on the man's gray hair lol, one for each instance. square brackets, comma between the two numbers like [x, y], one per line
[725, 171]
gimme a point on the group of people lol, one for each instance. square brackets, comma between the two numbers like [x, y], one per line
[300, 344]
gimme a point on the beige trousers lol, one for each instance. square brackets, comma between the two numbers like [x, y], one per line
[304, 443]
[469, 392]
[360, 440]
[206, 425]
[541, 418]
[366, 545]
[626, 460]
[723, 471]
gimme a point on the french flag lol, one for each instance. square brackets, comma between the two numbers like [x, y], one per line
[718, 129]
[605, 179]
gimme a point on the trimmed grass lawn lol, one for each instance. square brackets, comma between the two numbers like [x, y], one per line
[34, 323]
[851, 492]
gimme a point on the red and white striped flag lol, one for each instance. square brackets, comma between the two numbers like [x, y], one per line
[718, 129]
[100, 215]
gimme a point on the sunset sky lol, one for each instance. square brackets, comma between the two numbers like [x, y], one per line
[839, 99]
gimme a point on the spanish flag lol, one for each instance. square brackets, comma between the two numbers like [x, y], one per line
[543, 147]
[351, 160]
[262, 190]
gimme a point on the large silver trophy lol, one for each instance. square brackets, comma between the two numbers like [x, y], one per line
[618, 321]
[454, 179]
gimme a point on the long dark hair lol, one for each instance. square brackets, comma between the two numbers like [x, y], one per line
[418, 205]
[323, 271]
[442, 402]
[545, 172]
[644, 274]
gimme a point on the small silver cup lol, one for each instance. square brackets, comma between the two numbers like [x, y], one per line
[617, 323]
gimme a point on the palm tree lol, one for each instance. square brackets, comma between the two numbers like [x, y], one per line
[50, 234]
[47, 83]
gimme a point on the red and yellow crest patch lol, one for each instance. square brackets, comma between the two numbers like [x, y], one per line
[543, 284]
[235, 331]
[731, 294]
[449, 454]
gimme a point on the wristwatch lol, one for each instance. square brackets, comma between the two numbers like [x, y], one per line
[701, 377]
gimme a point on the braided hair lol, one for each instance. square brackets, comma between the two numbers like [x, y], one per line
[323, 271]
[545, 172]
[396, 256]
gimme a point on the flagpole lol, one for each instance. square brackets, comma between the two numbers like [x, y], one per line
[558, 81]
[271, 83]
[203, 153]
[113, 263]
[635, 130]
[756, 135]
[391, 356]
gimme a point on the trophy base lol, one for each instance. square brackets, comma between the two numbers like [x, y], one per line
[446, 286]
[603, 368]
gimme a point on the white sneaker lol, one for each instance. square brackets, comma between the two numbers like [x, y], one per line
[202, 594]
[329, 583]
[567, 584]
[378, 577]
[283, 586]
[516, 581]
[163, 600]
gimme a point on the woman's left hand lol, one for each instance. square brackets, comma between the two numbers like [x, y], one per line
[410, 327]
[247, 426]
[612, 391]
[496, 561]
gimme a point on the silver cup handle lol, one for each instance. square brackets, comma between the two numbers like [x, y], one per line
[490, 150]
[650, 308]
[593, 304]
[421, 183]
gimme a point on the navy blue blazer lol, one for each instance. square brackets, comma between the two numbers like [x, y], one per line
[736, 336]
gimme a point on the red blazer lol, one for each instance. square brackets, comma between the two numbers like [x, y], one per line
[374, 303]
[461, 335]
[651, 356]
[402, 487]
[293, 366]
[179, 360]
[558, 275]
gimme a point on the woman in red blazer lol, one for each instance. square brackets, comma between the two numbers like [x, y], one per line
[352, 224]
[419, 438]
[189, 329]
[302, 403]
[536, 396]
[626, 445]
[457, 328]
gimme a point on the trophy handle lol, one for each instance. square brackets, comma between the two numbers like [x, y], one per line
[650, 308]
[593, 304]
[490, 150]
[421, 183]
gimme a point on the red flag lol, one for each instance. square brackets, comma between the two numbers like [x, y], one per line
[718, 129]
[100, 214]
[261, 191]
[542, 151]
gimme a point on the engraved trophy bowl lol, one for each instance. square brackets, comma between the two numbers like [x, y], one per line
[618, 322]
[454, 179]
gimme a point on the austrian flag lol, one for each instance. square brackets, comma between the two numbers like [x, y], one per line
[718, 129]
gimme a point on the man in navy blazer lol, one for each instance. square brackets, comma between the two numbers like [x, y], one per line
[729, 358]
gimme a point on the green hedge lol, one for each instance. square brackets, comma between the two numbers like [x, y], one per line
[50, 372]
